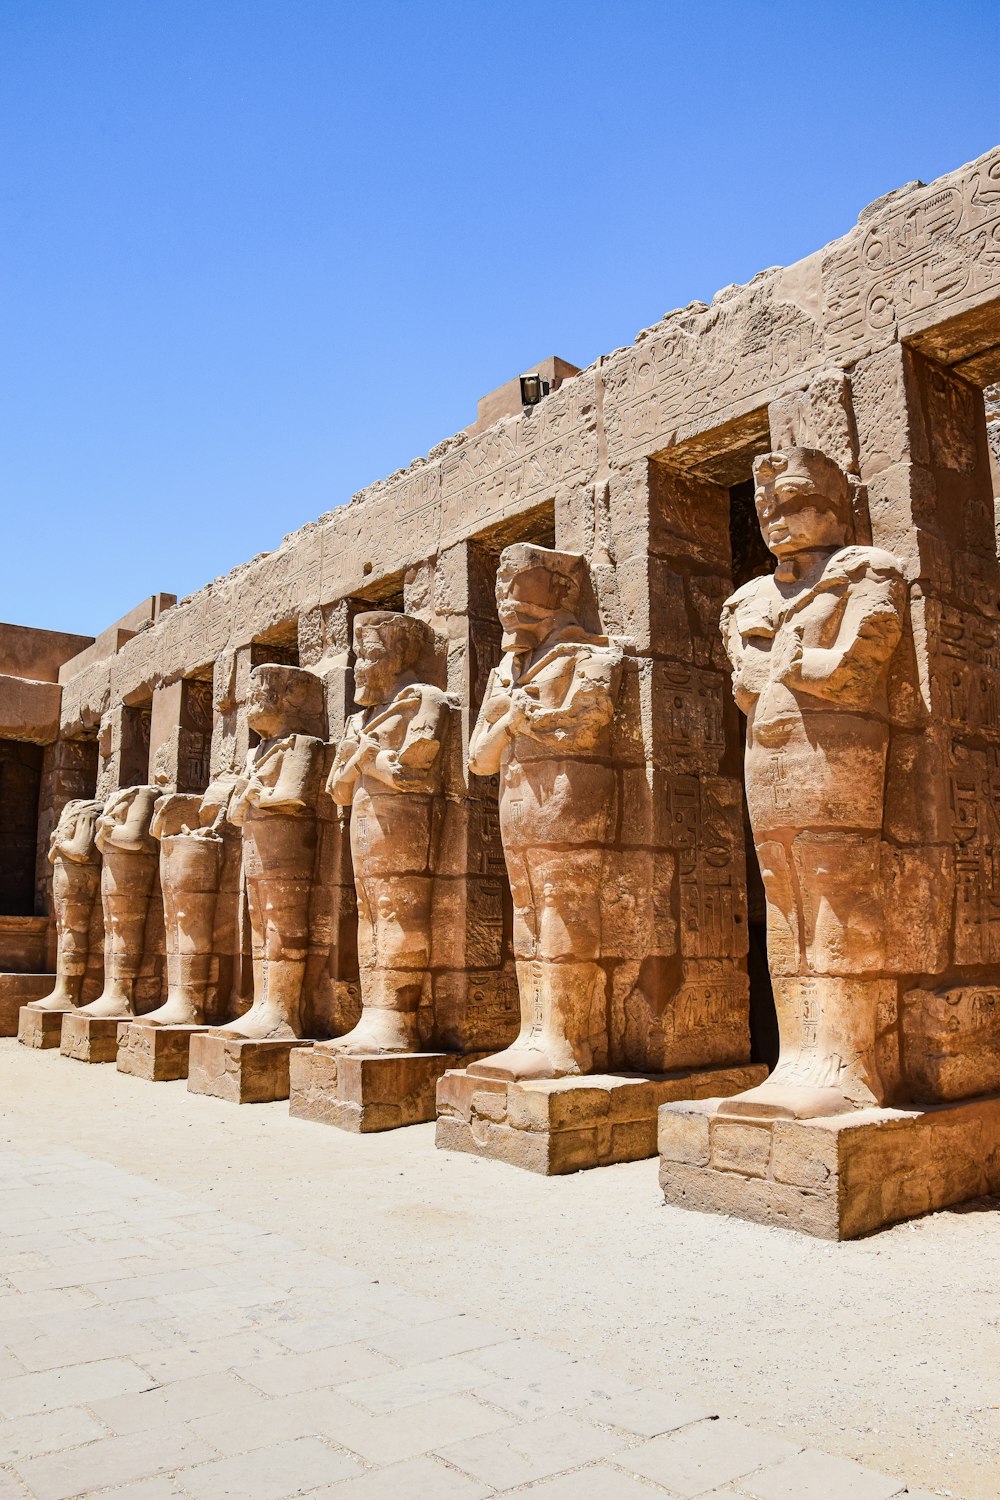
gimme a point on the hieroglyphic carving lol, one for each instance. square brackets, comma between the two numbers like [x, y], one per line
[704, 362]
[520, 461]
[927, 250]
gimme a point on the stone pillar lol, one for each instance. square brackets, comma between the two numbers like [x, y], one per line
[676, 903]
[925, 465]
[123, 745]
[180, 735]
[475, 990]
[332, 989]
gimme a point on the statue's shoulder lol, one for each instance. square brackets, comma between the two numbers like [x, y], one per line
[432, 696]
[865, 562]
[754, 591]
[751, 610]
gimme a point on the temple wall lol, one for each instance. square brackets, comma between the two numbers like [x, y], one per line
[875, 349]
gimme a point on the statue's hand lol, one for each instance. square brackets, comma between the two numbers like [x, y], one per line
[786, 655]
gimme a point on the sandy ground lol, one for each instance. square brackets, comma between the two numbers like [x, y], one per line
[885, 1350]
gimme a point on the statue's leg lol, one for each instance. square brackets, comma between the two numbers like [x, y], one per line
[127, 881]
[74, 892]
[190, 879]
[278, 884]
[561, 983]
[397, 946]
[828, 1003]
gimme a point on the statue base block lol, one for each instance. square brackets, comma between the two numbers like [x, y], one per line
[16, 990]
[40, 1028]
[367, 1093]
[239, 1070]
[89, 1039]
[838, 1177]
[156, 1053]
[558, 1125]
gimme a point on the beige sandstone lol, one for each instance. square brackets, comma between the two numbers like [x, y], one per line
[76, 884]
[589, 872]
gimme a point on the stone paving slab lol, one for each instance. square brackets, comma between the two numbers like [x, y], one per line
[152, 1348]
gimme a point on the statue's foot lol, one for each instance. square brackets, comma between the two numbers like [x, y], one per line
[58, 1002]
[523, 1062]
[259, 1026]
[175, 1012]
[790, 1101]
[110, 1007]
[378, 1033]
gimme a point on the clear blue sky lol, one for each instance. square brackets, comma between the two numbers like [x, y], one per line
[258, 253]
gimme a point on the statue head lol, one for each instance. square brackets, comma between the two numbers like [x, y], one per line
[535, 585]
[803, 502]
[388, 648]
[284, 700]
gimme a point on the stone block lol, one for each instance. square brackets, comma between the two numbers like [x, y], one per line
[837, 1177]
[89, 1039]
[39, 1028]
[951, 1042]
[17, 990]
[157, 1053]
[560, 1125]
[366, 1093]
[239, 1070]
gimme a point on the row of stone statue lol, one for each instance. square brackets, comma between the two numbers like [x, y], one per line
[810, 649]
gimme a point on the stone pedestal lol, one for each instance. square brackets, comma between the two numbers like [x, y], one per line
[16, 990]
[240, 1070]
[367, 1093]
[838, 1177]
[558, 1125]
[40, 1028]
[157, 1053]
[90, 1039]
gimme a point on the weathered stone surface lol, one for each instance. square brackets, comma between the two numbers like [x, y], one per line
[274, 802]
[559, 1125]
[154, 1051]
[365, 1092]
[39, 1028]
[76, 883]
[838, 1177]
[951, 1042]
[238, 1069]
[16, 991]
[89, 1038]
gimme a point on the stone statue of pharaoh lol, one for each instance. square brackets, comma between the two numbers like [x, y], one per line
[127, 876]
[76, 881]
[274, 803]
[189, 827]
[545, 726]
[388, 771]
[811, 648]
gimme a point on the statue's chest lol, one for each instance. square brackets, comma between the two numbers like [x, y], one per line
[550, 683]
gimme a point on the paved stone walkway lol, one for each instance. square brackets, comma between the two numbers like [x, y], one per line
[153, 1348]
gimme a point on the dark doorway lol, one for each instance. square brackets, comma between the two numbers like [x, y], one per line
[20, 782]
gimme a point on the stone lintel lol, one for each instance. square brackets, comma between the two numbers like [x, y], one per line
[89, 1039]
[39, 1028]
[838, 1177]
[558, 1125]
[239, 1070]
[15, 991]
[156, 1053]
[367, 1093]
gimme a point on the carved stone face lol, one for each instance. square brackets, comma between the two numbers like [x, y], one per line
[802, 504]
[266, 702]
[528, 598]
[378, 665]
